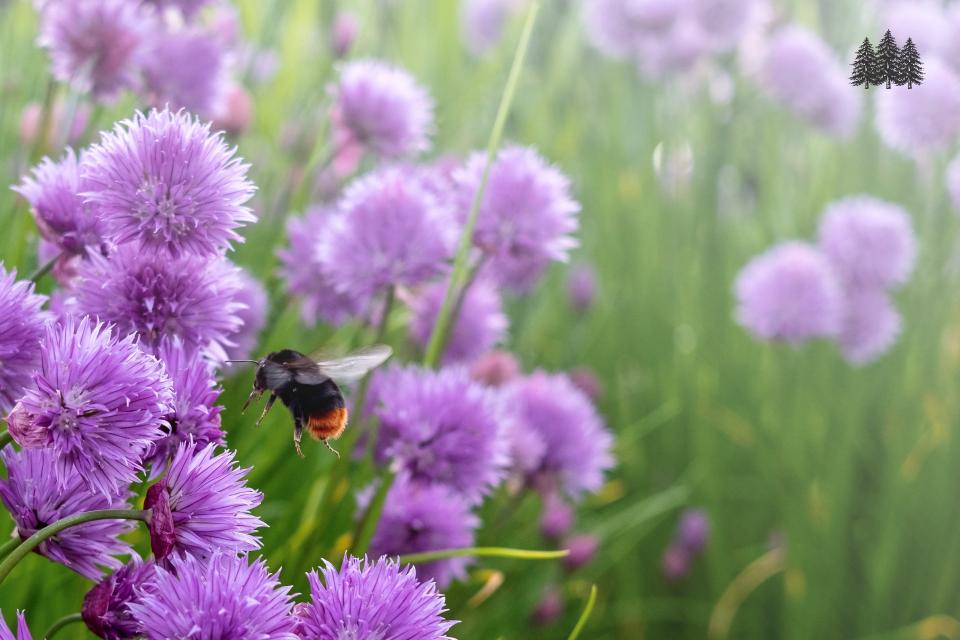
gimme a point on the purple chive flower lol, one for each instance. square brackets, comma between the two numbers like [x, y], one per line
[225, 597]
[924, 21]
[163, 180]
[97, 400]
[35, 498]
[802, 73]
[195, 416]
[618, 28]
[870, 327]
[388, 231]
[527, 216]
[587, 381]
[253, 314]
[482, 22]
[480, 325]
[61, 126]
[53, 191]
[205, 494]
[441, 427]
[675, 563]
[186, 69]
[97, 45]
[161, 298]
[495, 368]
[927, 117]
[790, 293]
[189, 8]
[578, 446]
[549, 608]
[693, 530]
[582, 286]
[343, 33]
[583, 549]
[677, 48]
[556, 517]
[23, 633]
[869, 241]
[235, 113]
[372, 599]
[725, 22]
[418, 517]
[106, 607]
[383, 108]
[305, 278]
[21, 327]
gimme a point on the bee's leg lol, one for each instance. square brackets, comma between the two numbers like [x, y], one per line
[297, 434]
[254, 395]
[327, 443]
[266, 408]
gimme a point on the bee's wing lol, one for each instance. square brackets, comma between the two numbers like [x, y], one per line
[353, 366]
[305, 371]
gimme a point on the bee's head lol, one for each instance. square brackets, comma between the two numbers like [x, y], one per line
[284, 356]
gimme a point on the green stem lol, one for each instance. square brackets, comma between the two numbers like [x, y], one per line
[61, 623]
[45, 268]
[495, 552]
[461, 263]
[31, 543]
[5, 439]
[40, 144]
[8, 546]
[368, 523]
[587, 610]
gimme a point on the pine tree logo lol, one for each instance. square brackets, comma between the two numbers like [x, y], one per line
[887, 64]
[909, 66]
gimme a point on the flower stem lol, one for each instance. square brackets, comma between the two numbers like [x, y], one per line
[371, 516]
[45, 268]
[461, 264]
[51, 530]
[587, 610]
[8, 546]
[495, 552]
[5, 439]
[61, 623]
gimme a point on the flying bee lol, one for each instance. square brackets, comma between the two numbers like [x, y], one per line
[309, 389]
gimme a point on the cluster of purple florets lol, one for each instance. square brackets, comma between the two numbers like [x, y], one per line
[840, 288]
[109, 386]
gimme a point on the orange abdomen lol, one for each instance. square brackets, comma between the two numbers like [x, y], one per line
[328, 425]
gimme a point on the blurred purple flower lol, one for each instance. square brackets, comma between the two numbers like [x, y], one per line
[582, 286]
[195, 418]
[618, 28]
[924, 21]
[375, 600]
[235, 112]
[480, 325]
[869, 241]
[675, 563]
[583, 549]
[870, 327]
[23, 633]
[53, 191]
[789, 293]
[161, 298]
[577, 445]
[209, 502]
[106, 610]
[693, 530]
[556, 516]
[188, 8]
[549, 608]
[495, 368]
[482, 22]
[97, 45]
[927, 117]
[165, 181]
[724, 22]
[21, 327]
[226, 596]
[383, 108]
[676, 48]
[186, 69]
[97, 400]
[60, 127]
[802, 73]
[252, 295]
[418, 517]
[35, 498]
[441, 427]
[527, 217]
[388, 231]
[300, 268]
[587, 381]
[343, 33]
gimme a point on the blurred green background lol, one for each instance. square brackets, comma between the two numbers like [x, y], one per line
[851, 472]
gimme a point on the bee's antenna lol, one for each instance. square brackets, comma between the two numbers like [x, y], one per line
[250, 361]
